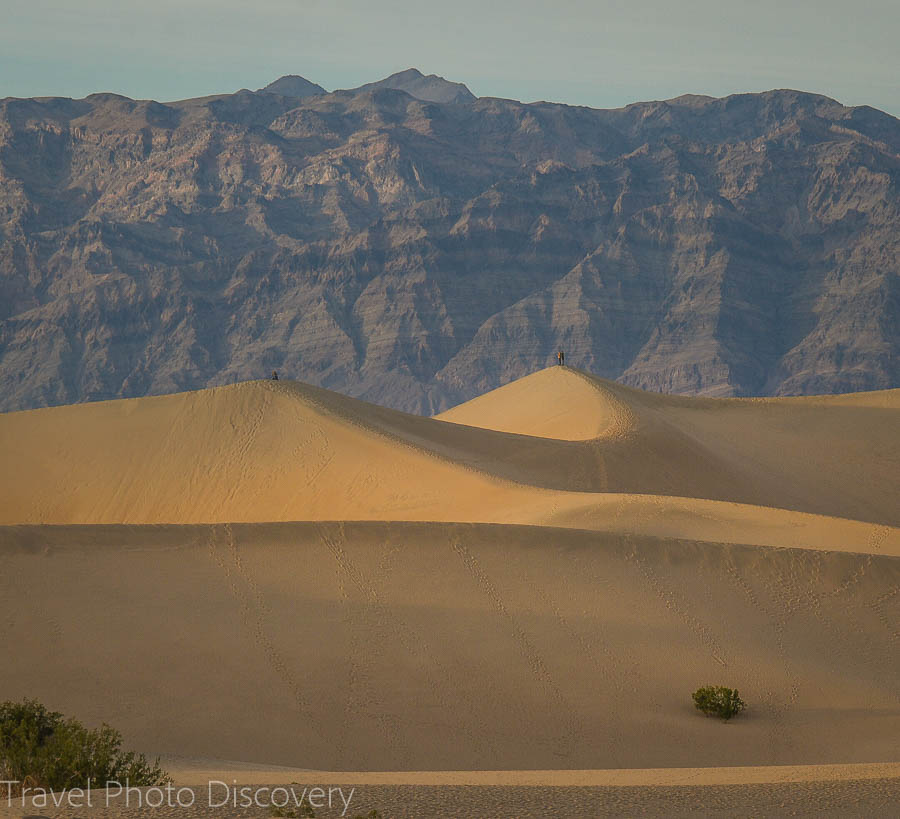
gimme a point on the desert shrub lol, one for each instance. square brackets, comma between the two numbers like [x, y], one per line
[42, 749]
[719, 701]
[304, 811]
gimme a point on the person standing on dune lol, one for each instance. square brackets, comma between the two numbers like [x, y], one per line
[274, 375]
[561, 358]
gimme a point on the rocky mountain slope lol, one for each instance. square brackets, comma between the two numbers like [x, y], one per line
[417, 253]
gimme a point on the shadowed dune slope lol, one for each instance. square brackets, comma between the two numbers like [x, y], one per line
[423, 646]
[274, 451]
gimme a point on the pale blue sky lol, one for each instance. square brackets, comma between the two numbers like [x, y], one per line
[604, 53]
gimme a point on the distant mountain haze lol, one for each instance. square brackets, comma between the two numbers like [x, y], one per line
[410, 244]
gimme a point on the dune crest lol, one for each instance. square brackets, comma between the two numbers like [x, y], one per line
[559, 402]
[279, 451]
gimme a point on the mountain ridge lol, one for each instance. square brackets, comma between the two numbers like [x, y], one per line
[293, 85]
[416, 253]
[431, 88]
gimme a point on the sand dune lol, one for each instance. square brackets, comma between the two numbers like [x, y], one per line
[418, 646]
[275, 451]
[560, 403]
[832, 455]
[536, 579]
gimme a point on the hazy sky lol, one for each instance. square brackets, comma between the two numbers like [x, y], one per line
[603, 53]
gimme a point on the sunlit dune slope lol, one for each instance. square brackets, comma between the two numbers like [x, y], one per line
[251, 452]
[274, 451]
[404, 646]
[558, 402]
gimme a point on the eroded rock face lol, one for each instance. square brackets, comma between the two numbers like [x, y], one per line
[416, 254]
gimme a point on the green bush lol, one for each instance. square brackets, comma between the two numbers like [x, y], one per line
[41, 749]
[719, 701]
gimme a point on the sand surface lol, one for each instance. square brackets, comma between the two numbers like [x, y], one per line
[830, 791]
[198, 773]
[861, 799]
[533, 581]
[404, 646]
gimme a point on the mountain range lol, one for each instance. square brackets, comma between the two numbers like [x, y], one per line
[413, 245]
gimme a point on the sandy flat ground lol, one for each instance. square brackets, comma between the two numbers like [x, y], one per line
[199, 772]
[861, 790]
[831, 797]
[531, 583]
[451, 646]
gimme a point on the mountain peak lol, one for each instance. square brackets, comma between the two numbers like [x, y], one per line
[430, 88]
[407, 75]
[293, 85]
